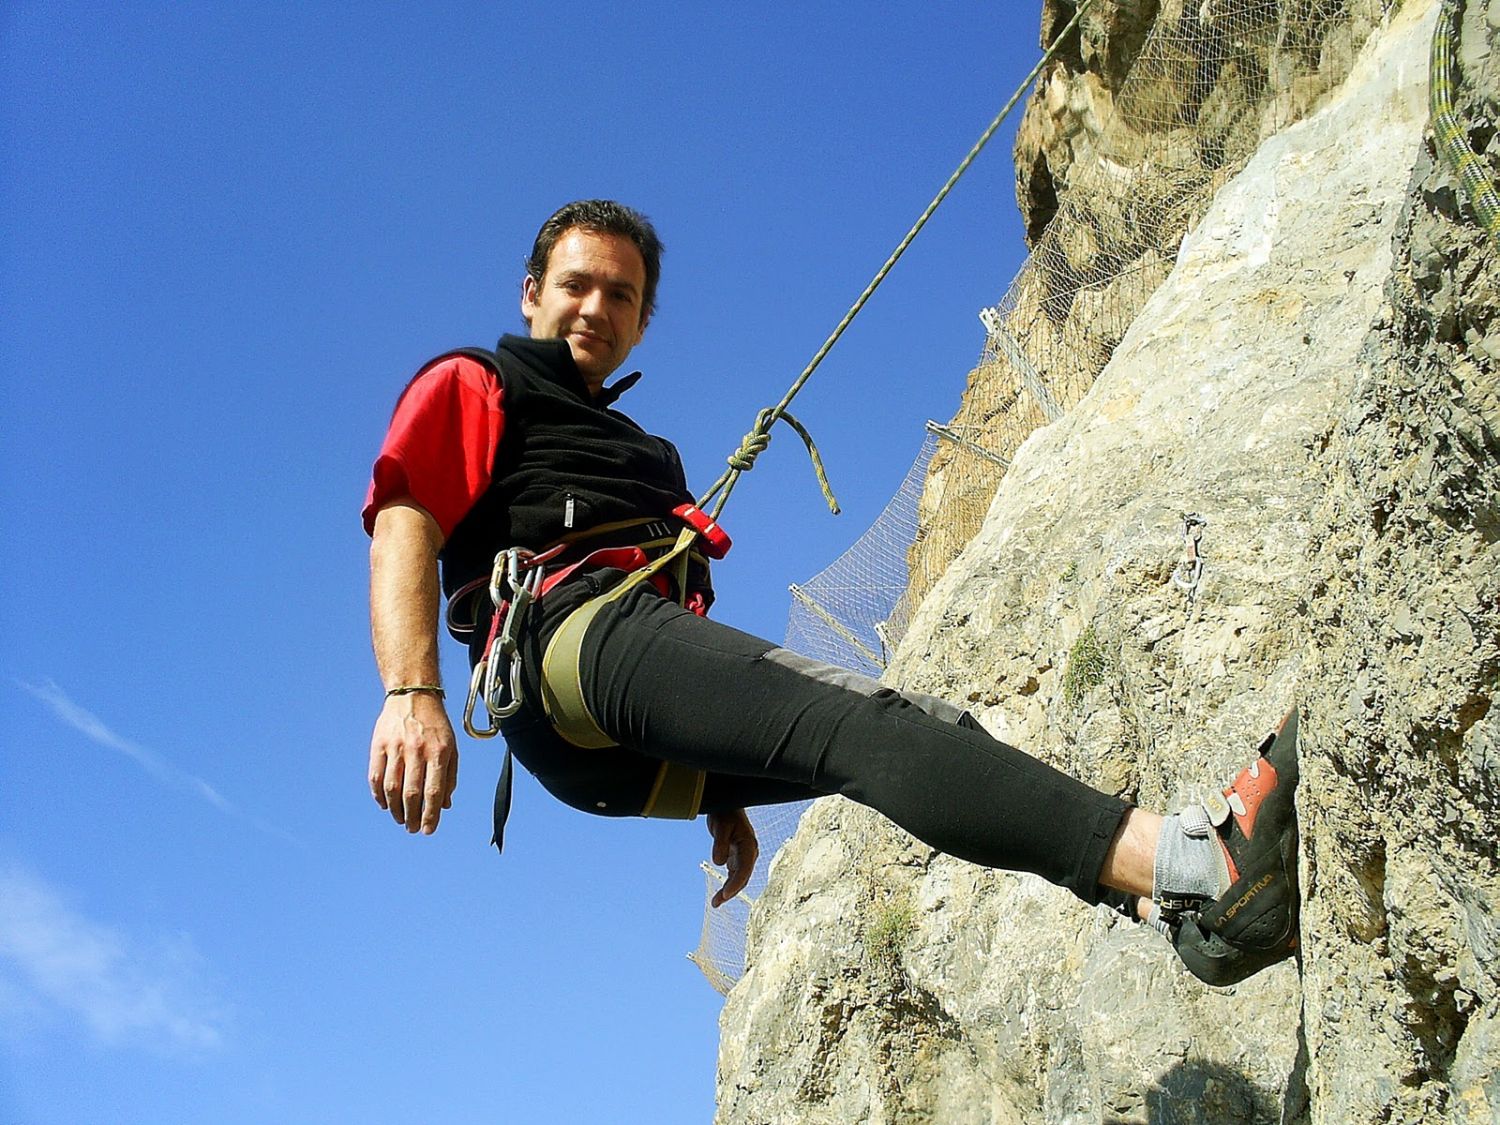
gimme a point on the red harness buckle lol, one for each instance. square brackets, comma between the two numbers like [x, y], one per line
[716, 542]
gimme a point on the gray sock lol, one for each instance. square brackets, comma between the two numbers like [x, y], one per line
[1190, 862]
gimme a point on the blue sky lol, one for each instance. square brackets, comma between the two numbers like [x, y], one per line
[230, 233]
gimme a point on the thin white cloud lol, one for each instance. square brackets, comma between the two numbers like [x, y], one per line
[92, 727]
[124, 991]
[96, 730]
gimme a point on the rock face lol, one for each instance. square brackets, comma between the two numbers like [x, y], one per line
[1210, 77]
[1148, 110]
[1402, 939]
[1315, 381]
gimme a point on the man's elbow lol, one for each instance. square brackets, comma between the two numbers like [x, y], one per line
[405, 523]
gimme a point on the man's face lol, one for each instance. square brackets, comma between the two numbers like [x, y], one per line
[591, 297]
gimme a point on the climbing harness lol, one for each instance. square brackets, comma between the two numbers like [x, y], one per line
[519, 577]
[1448, 130]
[518, 580]
[562, 687]
[1190, 570]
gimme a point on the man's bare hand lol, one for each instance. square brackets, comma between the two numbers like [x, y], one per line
[414, 761]
[735, 848]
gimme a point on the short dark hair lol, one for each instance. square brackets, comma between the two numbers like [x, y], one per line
[603, 216]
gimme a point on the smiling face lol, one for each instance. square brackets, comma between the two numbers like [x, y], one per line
[591, 296]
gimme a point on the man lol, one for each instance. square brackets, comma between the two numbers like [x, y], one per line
[522, 448]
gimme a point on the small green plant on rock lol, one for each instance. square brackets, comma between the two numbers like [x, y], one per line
[890, 929]
[1086, 666]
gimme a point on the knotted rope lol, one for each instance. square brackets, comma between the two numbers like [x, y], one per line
[752, 445]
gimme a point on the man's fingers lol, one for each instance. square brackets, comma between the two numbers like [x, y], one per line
[416, 791]
[734, 883]
[736, 850]
[741, 864]
[377, 776]
[434, 796]
[451, 782]
[411, 795]
[719, 829]
[394, 770]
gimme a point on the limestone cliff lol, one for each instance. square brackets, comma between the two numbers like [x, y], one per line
[1149, 109]
[1315, 380]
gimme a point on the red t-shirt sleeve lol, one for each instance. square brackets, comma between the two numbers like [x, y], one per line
[441, 444]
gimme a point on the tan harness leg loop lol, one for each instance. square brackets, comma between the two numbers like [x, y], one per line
[676, 794]
[562, 680]
[678, 790]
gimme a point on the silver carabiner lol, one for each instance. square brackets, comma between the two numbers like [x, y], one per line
[475, 682]
[497, 677]
[506, 564]
[502, 677]
[501, 688]
[492, 686]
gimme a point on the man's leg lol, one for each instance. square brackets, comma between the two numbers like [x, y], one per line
[678, 687]
[675, 686]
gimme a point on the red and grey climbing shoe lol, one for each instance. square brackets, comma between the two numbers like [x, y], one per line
[1253, 924]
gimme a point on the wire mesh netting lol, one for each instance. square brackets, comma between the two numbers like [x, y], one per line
[721, 945]
[1205, 82]
[854, 616]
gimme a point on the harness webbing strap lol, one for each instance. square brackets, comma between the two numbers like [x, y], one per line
[676, 793]
[678, 789]
[562, 680]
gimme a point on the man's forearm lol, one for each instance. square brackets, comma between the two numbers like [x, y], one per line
[404, 595]
[413, 756]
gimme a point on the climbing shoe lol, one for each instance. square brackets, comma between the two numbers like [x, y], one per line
[1253, 923]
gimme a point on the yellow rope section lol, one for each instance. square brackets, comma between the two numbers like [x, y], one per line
[1448, 129]
[759, 437]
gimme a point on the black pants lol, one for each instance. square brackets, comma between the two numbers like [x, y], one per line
[770, 727]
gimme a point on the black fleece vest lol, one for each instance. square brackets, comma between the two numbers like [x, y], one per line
[566, 462]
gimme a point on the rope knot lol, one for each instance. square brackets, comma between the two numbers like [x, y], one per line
[753, 444]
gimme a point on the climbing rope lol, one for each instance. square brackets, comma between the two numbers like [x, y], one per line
[1448, 128]
[743, 458]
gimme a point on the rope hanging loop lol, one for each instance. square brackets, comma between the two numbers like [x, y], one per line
[752, 445]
